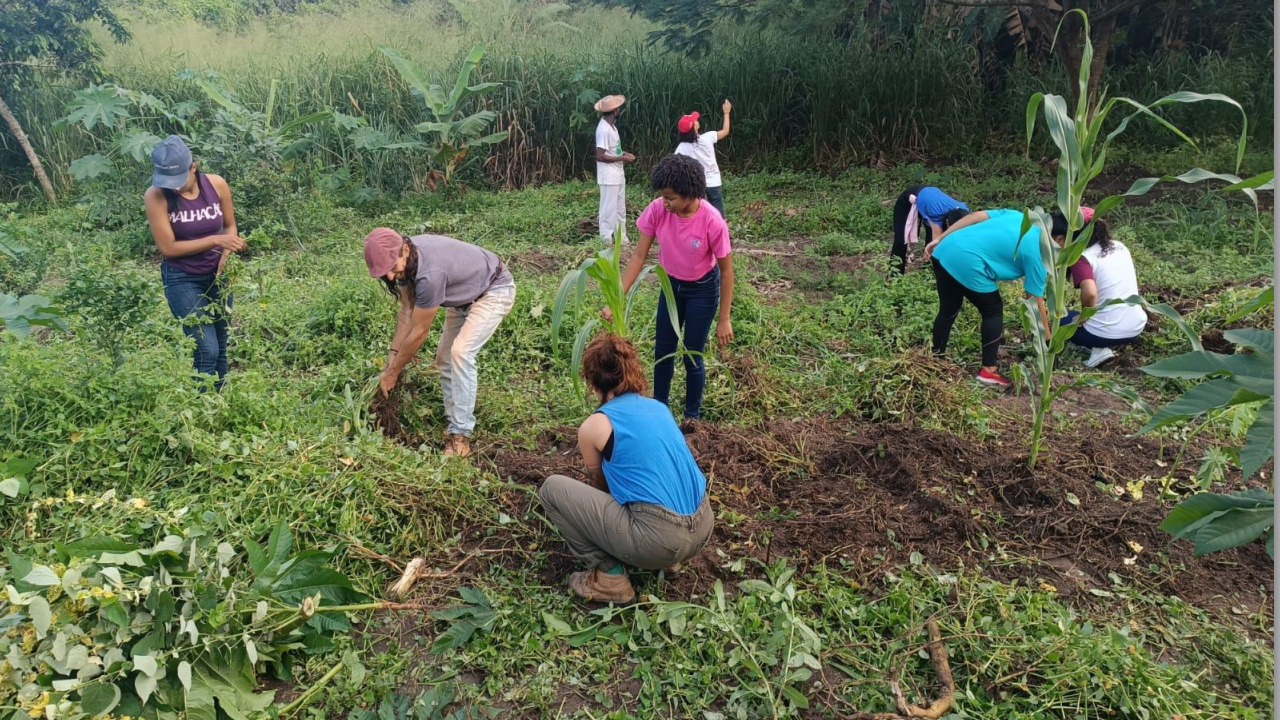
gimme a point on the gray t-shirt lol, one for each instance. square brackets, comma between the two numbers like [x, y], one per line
[452, 273]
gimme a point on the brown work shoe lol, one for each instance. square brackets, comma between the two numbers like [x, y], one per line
[673, 568]
[595, 586]
[457, 446]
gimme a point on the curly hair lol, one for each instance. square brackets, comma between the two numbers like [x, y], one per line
[1101, 233]
[681, 174]
[611, 364]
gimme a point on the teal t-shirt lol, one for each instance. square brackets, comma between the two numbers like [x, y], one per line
[981, 255]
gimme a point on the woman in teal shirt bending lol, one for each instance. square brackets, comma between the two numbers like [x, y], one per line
[969, 259]
[646, 502]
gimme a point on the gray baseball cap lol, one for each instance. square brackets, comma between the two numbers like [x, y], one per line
[171, 159]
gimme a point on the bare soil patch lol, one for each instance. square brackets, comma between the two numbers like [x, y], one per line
[868, 497]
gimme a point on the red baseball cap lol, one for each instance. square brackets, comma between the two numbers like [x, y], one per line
[687, 121]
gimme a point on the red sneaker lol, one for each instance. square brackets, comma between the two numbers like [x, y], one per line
[986, 377]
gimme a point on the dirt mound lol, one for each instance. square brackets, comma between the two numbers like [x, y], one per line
[384, 414]
[869, 497]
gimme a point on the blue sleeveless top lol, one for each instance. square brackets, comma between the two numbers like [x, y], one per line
[651, 462]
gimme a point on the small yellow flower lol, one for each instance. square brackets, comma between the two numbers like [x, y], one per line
[71, 495]
[107, 594]
[138, 503]
[48, 501]
[1048, 588]
[1134, 546]
[96, 592]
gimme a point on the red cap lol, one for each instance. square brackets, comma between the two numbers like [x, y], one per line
[687, 121]
[381, 250]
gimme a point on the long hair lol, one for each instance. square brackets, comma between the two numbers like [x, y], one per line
[689, 137]
[410, 271]
[610, 364]
[1101, 233]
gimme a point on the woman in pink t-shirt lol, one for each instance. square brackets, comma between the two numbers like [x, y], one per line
[693, 247]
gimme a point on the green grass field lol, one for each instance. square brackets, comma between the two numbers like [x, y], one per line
[861, 487]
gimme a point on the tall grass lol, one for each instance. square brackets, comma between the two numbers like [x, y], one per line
[824, 102]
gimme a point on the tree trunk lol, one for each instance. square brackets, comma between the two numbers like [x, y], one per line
[1072, 48]
[1102, 34]
[36, 165]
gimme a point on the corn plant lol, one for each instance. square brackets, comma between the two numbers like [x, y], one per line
[1221, 521]
[1083, 153]
[453, 136]
[605, 268]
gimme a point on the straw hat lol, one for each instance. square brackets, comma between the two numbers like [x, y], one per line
[609, 103]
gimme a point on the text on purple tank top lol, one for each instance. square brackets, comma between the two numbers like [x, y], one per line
[195, 219]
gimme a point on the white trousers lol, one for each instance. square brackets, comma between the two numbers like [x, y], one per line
[466, 330]
[613, 211]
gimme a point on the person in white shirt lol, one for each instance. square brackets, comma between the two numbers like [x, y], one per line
[702, 147]
[1104, 272]
[609, 171]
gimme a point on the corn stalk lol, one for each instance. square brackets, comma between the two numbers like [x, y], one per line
[1082, 148]
[605, 268]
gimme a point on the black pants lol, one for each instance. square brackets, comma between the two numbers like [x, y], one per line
[900, 211]
[951, 296]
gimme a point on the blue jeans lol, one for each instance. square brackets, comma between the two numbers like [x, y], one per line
[696, 302]
[1086, 339]
[189, 299]
[715, 196]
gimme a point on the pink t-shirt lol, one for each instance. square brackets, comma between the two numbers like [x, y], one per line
[687, 247]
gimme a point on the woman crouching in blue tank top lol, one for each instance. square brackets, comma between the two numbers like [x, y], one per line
[646, 502]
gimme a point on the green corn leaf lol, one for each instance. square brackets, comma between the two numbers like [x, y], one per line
[1259, 441]
[579, 345]
[1263, 181]
[1032, 106]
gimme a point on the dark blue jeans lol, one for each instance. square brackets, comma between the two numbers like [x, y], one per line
[715, 196]
[696, 302]
[189, 299]
[1086, 339]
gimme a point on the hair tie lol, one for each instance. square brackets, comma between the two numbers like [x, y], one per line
[1087, 212]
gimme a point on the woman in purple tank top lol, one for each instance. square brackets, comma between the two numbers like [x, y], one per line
[193, 224]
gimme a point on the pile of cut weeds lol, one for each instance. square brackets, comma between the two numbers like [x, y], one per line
[869, 497]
